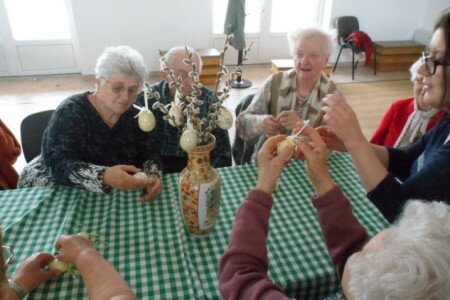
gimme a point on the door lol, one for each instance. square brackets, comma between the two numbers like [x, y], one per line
[36, 37]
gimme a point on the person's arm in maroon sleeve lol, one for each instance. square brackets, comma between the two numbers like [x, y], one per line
[243, 266]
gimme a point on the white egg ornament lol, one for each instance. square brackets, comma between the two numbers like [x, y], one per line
[225, 118]
[284, 143]
[188, 139]
[146, 120]
[140, 175]
[175, 116]
[59, 265]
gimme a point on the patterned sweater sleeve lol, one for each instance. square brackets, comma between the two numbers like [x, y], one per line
[248, 122]
[63, 139]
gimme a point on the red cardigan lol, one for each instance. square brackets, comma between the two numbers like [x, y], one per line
[9, 152]
[394, 120]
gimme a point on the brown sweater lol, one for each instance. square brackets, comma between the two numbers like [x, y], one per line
[9, 152]
[243, 267]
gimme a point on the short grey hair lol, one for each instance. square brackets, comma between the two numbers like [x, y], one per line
[175, 53]
[121, 60]
[301, 34]
[414, 261]
[415, 68]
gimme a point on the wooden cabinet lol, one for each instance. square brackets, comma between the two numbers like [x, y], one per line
[396, 55]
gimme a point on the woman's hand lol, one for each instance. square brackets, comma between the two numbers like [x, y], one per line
[153, 189]
[315, 152]
[30, 274]
[271, 126]
[121, 177]
[342, 119]
[271, 163]
[330, 139]
[71, 247]
[288, 119]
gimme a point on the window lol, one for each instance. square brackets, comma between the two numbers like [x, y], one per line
[38, 20]
[252, 19]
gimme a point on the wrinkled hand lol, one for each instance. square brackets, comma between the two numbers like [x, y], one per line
[30, 274]
[121, 177]
[341, 118]
[271, 163]
[288, 119]
[153, 189]
[71, 247]
[270, 126]
[330, 138]
[315, 152]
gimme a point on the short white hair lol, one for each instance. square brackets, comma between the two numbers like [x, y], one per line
[176, 53]
[121, 60]
[414, 261]
[301, 34]
[415, 68]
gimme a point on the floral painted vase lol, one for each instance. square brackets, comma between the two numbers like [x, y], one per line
[200, 192]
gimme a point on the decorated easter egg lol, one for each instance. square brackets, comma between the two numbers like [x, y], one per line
[146, 120]
[175, 115]
[284, 143]
[140, 175]
[225, 118]
[188, 139]
[58, 265]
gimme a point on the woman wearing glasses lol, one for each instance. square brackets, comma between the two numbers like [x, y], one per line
[93, 141]
[423, 169]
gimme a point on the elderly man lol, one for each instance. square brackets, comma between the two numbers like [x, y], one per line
[174, 159]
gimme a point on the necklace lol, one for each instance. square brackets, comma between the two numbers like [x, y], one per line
[300, 104]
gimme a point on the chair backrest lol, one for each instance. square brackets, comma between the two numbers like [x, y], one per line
[31, 131]
[346, 25]
[242, 150]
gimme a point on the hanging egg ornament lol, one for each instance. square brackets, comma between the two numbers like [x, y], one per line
[188, 139]
[284, 143]
[225, 118]
[146, 120]
[175, 115]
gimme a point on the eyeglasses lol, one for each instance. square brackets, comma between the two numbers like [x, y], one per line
[8, 255]
[431, 63]
[119, 88]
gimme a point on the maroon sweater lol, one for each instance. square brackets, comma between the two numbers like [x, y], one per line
[243, 266]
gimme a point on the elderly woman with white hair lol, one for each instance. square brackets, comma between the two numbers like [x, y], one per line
[293, 95]
[93, 141]
[409, 260]
[407, 119]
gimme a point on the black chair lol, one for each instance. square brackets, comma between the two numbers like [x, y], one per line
[242, 150]
[31, 131]
[345, 26]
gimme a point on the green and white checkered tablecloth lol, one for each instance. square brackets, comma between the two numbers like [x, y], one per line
[148, 245]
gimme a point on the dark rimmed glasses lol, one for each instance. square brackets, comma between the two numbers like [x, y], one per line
[119, 88]
[431, 64]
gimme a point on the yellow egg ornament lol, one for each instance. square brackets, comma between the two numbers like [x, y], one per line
[146, 120]
[284, 143]
[58, 265]
[225, 118]
[188, 139]
[175, 115]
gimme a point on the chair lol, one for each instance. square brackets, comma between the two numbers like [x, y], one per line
[242, 150]
[345, 26]
[31, 131]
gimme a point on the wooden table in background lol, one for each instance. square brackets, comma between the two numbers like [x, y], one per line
[395, 55]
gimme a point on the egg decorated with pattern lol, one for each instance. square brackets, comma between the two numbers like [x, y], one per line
[175, 115]
[188, 139]
[146, 120]
[225, 118]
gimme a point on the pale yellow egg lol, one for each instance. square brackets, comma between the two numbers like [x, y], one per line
[225, 118]
[146, 120]
[58, 265]
[188, 139]
[175, 116]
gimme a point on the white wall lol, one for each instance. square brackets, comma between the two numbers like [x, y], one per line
[149, 25]
[146, 25]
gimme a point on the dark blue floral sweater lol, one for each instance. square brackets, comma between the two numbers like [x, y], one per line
[78, 146]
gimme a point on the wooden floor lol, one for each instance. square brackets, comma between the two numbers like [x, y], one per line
[21, 96]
